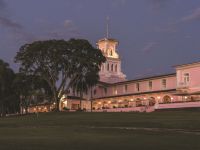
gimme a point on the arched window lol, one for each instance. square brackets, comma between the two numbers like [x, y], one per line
[115, 68]
[166, 99]
[112, 67]
[108, 67]
[152, 101]
[111, 53]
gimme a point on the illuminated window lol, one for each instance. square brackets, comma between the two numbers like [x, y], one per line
[111, 53]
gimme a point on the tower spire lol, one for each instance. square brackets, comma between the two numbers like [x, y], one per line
[107, 27]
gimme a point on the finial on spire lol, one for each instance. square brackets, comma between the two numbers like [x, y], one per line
[107, 27]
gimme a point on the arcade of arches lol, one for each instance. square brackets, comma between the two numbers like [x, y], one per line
[124, 102]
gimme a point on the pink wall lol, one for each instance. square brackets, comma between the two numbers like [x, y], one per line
[119, 89]
[194, 75]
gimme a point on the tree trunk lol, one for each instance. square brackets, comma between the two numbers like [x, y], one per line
[81, 97]
[57, 104]
[56, 101]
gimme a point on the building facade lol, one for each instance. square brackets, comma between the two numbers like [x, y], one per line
[115, 93]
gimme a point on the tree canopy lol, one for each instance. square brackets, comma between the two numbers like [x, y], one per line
[8, 99]
[62, 64]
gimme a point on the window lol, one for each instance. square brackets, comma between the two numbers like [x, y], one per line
[150, 85]
[108, 67]
[137, 86]
[115, 90]
[112, 67]
[115, 68]
[105, 90]
[102, 68]
[125, 88]
[111, 53]
[95, 92]
[186, 78]
[164, 83]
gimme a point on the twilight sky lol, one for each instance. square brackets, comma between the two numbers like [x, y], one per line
[154, 35]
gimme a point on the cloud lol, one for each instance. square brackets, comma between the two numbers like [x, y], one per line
[194, 16]
[5, 21]
[168, 28]
[8, 23]
[149, 47]
[161, 4]
[173, 26]
[68, 23]
[64, 30]
[16, 31]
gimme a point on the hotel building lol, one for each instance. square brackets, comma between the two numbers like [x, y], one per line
[115, 93]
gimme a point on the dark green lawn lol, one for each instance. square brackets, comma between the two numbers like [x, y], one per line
[102, 131]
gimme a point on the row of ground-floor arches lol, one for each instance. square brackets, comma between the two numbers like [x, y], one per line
[129, 102]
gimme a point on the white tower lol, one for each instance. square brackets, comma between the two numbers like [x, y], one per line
[111, 69]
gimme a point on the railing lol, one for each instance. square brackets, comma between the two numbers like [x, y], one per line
[179, 105]
[182, 85]
[130, 109]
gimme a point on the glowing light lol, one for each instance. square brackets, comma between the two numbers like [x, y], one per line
[145, 98]
[172, 98]
[158, 97]
[109, 102]
[54, 103]
[99, 103]
[131, 100]
[186, 97]
[119, 101]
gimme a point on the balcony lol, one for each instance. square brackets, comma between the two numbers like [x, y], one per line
[183, 85]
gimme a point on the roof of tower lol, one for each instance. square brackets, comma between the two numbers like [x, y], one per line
[107, 39]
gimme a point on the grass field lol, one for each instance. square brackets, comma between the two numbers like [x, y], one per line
[168, 130]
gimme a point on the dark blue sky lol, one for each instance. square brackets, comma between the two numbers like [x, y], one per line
[154, 35]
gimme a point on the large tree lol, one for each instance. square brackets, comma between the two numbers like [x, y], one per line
[60, 63]
[8, 100]
[84, 77]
